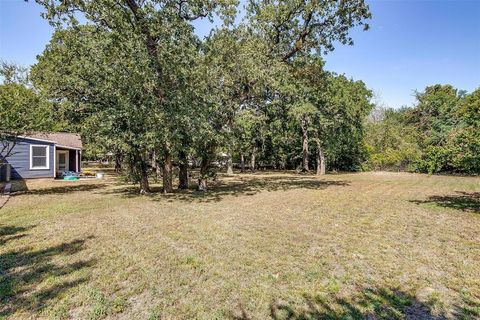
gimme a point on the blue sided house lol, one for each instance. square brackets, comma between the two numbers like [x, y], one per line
[44, 155]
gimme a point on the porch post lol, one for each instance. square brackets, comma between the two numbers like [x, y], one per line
[77, 158]
[54, 161]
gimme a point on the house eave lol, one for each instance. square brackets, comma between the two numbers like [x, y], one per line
[67, 147]
[36, 139]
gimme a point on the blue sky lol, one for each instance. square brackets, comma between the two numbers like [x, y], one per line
[411, 44]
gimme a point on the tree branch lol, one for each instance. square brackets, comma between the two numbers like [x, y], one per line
[185, 16]
[301, 38]
[150, 43]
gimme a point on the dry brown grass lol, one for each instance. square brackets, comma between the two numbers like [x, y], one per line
[273, 245]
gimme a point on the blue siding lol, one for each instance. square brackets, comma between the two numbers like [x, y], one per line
[20, 160]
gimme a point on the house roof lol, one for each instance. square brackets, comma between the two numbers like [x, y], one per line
[62, 139]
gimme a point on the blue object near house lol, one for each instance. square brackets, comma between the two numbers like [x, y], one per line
[44, 155]
[70, 175]
[70, 178]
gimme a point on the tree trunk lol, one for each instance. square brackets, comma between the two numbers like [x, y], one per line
[159, 171]
[202, 184]
[202, 181]
[144, 185]
[320, 158]
[183, 177]
[141, 166]
[151, 44]
[183, 173]
[304, 147]
[167, 172]
[252, 159]
[242, 162]
[156, 165]
[118, 161]
[229, 163]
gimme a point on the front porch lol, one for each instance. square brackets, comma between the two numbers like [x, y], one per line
[67, 159]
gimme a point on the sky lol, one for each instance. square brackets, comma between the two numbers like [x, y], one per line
[411, 44]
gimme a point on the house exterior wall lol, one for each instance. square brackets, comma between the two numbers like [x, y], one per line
[20, 160]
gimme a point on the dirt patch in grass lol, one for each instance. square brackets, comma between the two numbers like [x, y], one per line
[261, 246]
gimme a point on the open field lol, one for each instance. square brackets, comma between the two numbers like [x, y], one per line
[281, 246]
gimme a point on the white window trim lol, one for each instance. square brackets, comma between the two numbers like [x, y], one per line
[48, 157]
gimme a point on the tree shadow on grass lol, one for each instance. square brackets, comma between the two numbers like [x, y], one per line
[464, 201]
[10, 233]
[377, 303]
[243, 186]
[60, 189]
[30, 278]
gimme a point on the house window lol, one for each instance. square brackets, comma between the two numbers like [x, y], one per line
[39, 157]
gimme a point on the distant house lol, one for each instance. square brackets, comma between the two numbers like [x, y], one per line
[45, 155]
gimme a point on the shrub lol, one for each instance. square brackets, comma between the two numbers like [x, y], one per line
[434, 159]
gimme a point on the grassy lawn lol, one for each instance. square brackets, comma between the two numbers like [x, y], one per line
[260, 246]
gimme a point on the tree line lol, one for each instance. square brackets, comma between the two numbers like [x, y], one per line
[134, 78]
[440, 133]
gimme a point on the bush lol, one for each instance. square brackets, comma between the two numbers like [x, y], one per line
[465, 147]
[434, 159]
[399, 159]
